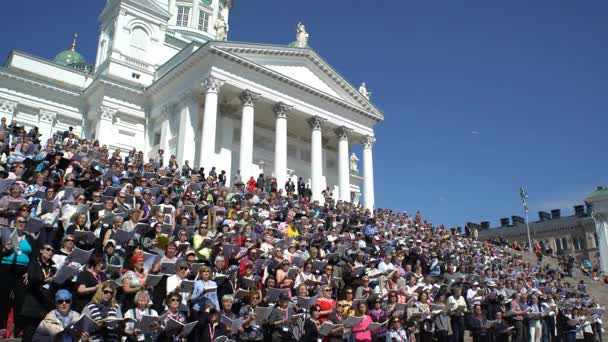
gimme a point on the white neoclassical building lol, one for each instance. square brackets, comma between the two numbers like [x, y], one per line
[166, 77]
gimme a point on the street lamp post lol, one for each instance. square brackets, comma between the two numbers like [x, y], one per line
[524, 201]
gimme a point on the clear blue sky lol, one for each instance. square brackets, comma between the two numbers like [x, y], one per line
[480, 97]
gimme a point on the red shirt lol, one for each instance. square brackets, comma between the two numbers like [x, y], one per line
[325, 304]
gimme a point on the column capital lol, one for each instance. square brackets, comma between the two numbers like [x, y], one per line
[212, 84]
[281, 109]
[368, 141]
[187, 97]
[248, 97]
[168, 109]
[343, 133]
[7, 106]
[47, 116]
[316, 122]
[106, 113]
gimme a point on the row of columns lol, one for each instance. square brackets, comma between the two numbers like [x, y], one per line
[46, 118]
[281, 110]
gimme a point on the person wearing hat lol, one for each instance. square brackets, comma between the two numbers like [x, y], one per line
[52, 327]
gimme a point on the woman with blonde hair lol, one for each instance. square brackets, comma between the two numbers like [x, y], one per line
[102, 307]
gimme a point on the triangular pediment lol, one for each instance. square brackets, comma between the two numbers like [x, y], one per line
[303, 66]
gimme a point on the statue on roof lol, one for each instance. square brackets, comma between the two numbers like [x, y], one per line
[221, 28]
[363, 91]
[353, 163]
[301, 36]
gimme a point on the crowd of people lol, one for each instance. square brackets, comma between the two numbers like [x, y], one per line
[99, 245]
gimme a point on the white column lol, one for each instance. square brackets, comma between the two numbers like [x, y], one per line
[343, 134]
[46, 120]
[165, 132]
[316, 158]
[105, 122]
[195, 14]
[280, 143]
[599, 211]
[368, 173]
[7, 110]
[248, 99]
[212, 86]
[187, 122]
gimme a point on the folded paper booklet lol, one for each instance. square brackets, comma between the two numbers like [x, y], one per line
[352, 321]
[262, 314]
[232, 324]
[65, 273]
[186, 286]
[326, 328]
[122, 237]
[222, 339]
[150, 260]
[148, 324]
[376, 325]
[84, 324]
[241, 294]
[178, 329]
[273, 294]
[167, 268]
[85, 236]
[187, 329]
[81, 256]
[306, 303]
[210, 289]
[153, 279]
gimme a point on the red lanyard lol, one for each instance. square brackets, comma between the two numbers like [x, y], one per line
[211, 331]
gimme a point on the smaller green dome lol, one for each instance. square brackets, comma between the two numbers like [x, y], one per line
[69, 57]
[600, 191]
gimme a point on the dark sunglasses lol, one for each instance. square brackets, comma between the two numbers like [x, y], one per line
[174, 300]
[108, 292]
[64, 301]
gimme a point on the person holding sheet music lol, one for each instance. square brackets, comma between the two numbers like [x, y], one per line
[32, 190]
[457, 307]
[117, 222]
[37, 300]
[172, 302]
[55, 325]
[10, 205]
[89, 281]
[327, 303]
[141, 309]
[361, 330]
[16, 257]
[205, 290]
[280, 320]
[252, 330]
[396, 333]
[134, 279]
[104, 310]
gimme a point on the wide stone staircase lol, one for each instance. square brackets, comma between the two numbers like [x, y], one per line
[598, 290]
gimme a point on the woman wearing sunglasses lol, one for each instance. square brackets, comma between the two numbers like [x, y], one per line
[205, 290]
[172, 302]
[37, 301]
[104, 310]
[395, 332]
[52, 327]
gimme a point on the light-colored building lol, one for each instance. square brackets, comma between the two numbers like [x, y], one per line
[575, 234]
[165, 77]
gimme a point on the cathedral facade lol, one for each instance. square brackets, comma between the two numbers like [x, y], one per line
[166, 77]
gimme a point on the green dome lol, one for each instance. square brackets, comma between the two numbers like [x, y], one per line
[69, 57]
[600, 191]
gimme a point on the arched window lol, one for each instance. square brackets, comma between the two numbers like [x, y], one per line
[139, 42]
